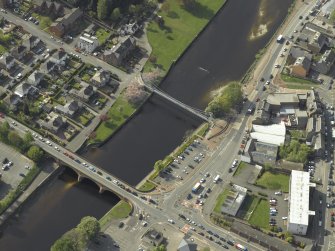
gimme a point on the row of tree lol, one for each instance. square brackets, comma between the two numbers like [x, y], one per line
[11, 137]
[295, 151]
[78, 238]
[226, 101]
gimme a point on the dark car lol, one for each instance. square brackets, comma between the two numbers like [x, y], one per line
[230, 243]
[121, 224]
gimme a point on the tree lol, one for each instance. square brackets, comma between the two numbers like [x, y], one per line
[332, 16]
[28, 138]
[160, 248]
[102, 9]
[35, 153]
[89, 228]
[116, 14]
[65, 243]
[295, 151]
[4, 130]
[15, 139]
[135, 93]
[226, 100]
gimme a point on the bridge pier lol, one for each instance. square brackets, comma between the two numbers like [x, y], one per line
[101, 189]
[80, 177]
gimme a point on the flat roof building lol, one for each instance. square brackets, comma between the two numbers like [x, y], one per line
[298, 212]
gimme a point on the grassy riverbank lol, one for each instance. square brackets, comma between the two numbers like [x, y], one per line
[180, 28]
[119, 211]
[116, 117]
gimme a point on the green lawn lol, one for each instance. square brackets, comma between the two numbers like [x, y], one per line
[180, 28]
[292, 79]
[249, 205]
[147, 186]
[102, 35]
[220, 199]
[274, 181]
[119, 211]
[117, 115]
[261, 216]
[240, 168]
[301, 86]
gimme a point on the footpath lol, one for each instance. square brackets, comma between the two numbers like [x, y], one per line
[48, 168]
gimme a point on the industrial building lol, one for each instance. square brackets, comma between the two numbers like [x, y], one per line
[298, 211]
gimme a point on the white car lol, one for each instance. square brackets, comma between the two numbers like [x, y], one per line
[171, 221]
[284, 218]
[278, 193]
[277, 66]
[202, 180]
[267, 82]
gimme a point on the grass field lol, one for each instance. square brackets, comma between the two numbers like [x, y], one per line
[300, 81]
[260, 216]
[301, 86]
[147, 186]
[220, 199]
[240, 168]
[117, 115]
[274, 181]
[179, 30]
[249, 205]
[119, 211]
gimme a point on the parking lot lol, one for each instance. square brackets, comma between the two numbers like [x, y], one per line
[12, 175]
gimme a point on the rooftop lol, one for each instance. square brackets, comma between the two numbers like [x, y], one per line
[299, 198]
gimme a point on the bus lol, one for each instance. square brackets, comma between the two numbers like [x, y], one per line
[280, 38]
[240, 247]
[217, 178]
[196, 187]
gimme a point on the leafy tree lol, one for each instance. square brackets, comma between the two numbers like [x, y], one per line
[226, 100]
[102, 9]
[4, 130]
[150, 3]
[89, 228]
[295, 151]
[35, 153]
[116, 14]
[161, 247]
[332, 16]
[67, 242]
[15, 139]
[28, 138]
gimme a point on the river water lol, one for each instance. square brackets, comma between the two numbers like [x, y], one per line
[223, 52]
[54, 210]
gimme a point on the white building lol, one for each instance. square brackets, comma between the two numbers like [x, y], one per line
[271, 134]
[88, 43]
[298, 211]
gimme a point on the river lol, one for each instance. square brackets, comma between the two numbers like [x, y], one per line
[223, 52]
[54, 210]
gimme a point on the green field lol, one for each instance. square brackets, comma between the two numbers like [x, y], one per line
[274, 181]
[292, 79]
[301, 86]
[119, 211]
[147, 186]
[240, 168]
[117, 115]
[180, 28]
[220, 199]
[261, 216]
[249, 205]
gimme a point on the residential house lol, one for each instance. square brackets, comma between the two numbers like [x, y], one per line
[118, 53]
[85, 93]
[100, 78]
[69, 109]
[50, 9]
[25, 89]
[35, 78]
[301, 67]
[65, 24]
[325, 63]
[19, 52]
[87, 43]
[7, 61]
[53, 123]
[12, 101]
[30, 41]
[48, 67]
[59, 58]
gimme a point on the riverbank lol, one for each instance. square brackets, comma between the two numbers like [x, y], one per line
[180, 27]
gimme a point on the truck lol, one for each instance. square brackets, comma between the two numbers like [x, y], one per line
[217, 178]
[196, 187]
[280, 38]
[241, 247]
